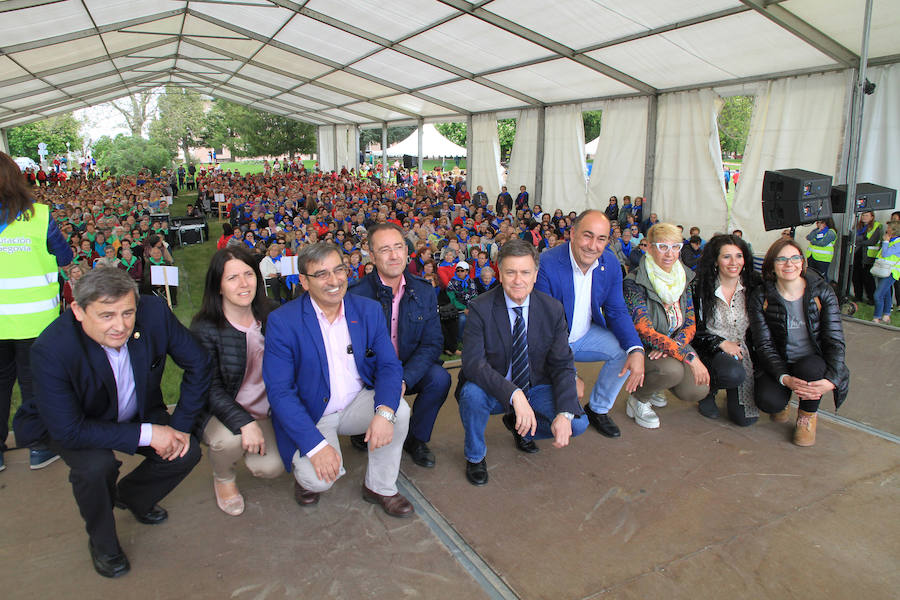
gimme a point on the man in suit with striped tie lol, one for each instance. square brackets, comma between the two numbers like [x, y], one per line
[516, 361]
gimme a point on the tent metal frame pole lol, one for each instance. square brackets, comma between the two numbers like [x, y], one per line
[384, 158]
[356, 148]
[856, 116]
[650, 153]
[334, 151]
[319, 146]
[470, 143]
[420, 136]
[539, 160]
[4, 141]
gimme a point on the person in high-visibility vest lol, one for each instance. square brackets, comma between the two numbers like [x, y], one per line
[868, 236]
[820, 251]
[890, 251]
[32, 249]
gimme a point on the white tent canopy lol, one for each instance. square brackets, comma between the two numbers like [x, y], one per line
[433, 144]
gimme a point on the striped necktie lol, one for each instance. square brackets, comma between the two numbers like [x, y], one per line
[521, 372]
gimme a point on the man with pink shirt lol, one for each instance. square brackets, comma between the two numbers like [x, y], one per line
[330, 370]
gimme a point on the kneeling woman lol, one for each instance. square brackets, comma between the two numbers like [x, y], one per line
[725, 278]
[230, 326]
[795, 319]
[658, 295]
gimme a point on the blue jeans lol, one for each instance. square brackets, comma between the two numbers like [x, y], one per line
[883, 299]
[599, 344]
[431, 391]
[475, 407]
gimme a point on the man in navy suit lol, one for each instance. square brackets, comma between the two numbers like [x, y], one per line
[516, 361]
[97, 371]
[586, 277]
[330, 370]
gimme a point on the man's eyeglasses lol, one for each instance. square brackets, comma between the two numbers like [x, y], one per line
[388, 250]
[665, 247]
[323, 275]
[795, 259]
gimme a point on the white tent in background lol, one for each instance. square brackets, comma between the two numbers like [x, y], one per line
[590, 148]
[433, 144]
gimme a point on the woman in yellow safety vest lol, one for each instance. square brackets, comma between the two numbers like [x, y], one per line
[32, 249]
[820, 251]
[889, 251]
[868, 238]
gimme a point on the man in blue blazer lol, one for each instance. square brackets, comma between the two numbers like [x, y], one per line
[586, 277]
[517, 362]
[330, 370]
[97, 371]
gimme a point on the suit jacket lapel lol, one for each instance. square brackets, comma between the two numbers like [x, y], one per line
[311, 321]
[137, 350]
[357, 334]
[501, 321]
[99, 363]
[568, 282]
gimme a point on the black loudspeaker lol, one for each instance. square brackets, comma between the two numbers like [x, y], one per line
[868, 197]
[792, 197]
[190, 235]
[186, 221]
[410, 161]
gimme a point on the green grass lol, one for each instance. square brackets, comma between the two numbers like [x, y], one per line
[254, 166]
[865, 312]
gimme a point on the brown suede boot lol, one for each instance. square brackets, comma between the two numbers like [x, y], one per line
[782, 416]
[805, 432]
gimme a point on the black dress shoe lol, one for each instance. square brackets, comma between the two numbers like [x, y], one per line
[156, 515]
[477, 473]
[109, 565]
[707, 407]
[359, 442]
[602, 423]
[527, 446]
[419, 452]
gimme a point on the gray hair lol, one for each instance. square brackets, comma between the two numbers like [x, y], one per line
[517, 247]
[102, 283]
[315, 253]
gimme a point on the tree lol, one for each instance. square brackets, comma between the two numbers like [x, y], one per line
[126, 155]
[734, 123]
[394, 135]
[455, 132]
[55, 132]
[137, 112]
[591, 120]
[179, 122]
[250, 132]
[506, 130]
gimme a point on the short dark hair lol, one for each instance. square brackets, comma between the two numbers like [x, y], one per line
[517, 247]
[375, 228]
[103, 282]
[768, 265]
[315, 253]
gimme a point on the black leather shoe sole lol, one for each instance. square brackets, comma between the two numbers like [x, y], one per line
[477, 473]
[523, 445]
[419, 453]
[154, 516]
[109, 565]
[602, 423]
[359, 442]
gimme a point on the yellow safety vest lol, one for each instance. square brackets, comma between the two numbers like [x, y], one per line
[823, 254]
[29, 292]
[895, 271]
[872, 251]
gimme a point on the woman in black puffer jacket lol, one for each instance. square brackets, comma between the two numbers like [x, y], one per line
[795, 320]
[230, 326]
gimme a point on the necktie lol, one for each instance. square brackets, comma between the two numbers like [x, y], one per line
[521, 372]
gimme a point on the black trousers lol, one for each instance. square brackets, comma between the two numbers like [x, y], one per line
[863, 282]
[450, 330]
[726, 373]
[772, 397]
[15, 363]
[93, 474]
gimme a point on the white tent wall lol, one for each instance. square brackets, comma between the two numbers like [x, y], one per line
[564, 183]
[688, 187]
[621, 151]
[797, 122]
[523, 158]
[880, 144]
[483, 167]
[326, 148]
[345, 139]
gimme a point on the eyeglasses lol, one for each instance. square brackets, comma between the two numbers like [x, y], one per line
[324, 274]
[388, 250]
[665, 247]
[795, 259]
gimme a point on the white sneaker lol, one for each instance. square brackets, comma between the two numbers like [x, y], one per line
[642, 413]
[658, 399]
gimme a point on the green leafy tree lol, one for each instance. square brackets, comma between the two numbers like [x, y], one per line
[249, 132]
[455, 132]
[591, 120]
[394, 135]
[136, 111]
[734, 123]
[180, 121]
[126, 155]
[55, 132]
[458, 134]
[506, 130]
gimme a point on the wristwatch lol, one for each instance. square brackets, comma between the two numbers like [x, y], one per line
[391, 417]
[567, 415]
[689, 357]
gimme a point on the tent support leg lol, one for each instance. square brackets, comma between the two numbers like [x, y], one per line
[421, 125]
[4, 141]
[334, 137]
[470, 138]
[384, 158]
[539, 161]
[650, 151]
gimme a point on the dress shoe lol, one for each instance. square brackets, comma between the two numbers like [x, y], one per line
[154, 516]
[396, 505]
[419, 452]
[526, 446]
[109, 565]
[304, 497]
[602, 423]
[359, 442]
[477, 473]
[707, 407]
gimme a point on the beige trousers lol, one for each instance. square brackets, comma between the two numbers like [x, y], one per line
[670, 374]
[384, 463]
[225, 450]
